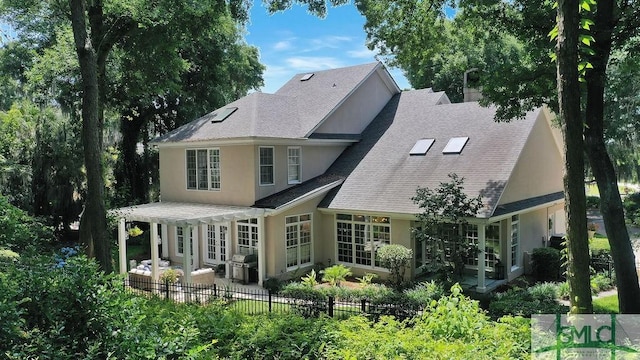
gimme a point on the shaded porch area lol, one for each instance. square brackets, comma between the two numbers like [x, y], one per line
[194, 237]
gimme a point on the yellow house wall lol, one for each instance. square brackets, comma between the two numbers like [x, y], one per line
[539, 168]
[236, 171]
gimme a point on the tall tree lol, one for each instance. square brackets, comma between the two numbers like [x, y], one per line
[575, 200]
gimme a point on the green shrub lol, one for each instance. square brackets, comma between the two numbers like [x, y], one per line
[525, 302]
[306, 301]
[7, 255]
[632, 208]
[335, 274]
[546, 264]
[274, 285]
[20, 232]
[453, 327]
[547, 291]
[601, 282]
[396, 259]
[593, 202]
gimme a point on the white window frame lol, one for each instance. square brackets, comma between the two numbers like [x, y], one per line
[180, 234]
[213, 171]
[294, 165]
[266, 166]
[217, 238]
[294, 227]
[473, 239]
[361, 227]
[515, 241]
[247, 244]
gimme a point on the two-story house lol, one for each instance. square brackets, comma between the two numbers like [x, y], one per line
[323, 171]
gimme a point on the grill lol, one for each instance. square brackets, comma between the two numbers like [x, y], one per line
[244, 267]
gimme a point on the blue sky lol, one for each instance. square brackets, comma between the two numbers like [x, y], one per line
[294, 42]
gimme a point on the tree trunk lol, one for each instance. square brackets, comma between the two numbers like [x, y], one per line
[94, 215]
[569, 100]
[602, 167]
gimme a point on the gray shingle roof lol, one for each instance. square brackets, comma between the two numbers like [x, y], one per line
[292, 112]
[386, 177]
[351, 157]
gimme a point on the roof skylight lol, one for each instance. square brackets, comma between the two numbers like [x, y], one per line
[306, 77]
[223, 114]
[455, 145]
[421, 147]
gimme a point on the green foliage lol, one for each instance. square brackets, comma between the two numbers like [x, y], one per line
[367, 278]
[606, 305]
[21, 232]
[632, 208]
[453, 327]
[546, 264]
[593, 202]
[540, 299]
[310, 279]
[273, 284]
[307, 301]
[396, 258]
[7, 255]
[335, 274]
[282, 337]
[601, 282]
[445, 211]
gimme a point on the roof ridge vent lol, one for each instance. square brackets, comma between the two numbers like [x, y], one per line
[306, 77]
[223, 114]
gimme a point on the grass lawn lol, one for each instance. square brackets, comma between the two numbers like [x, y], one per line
[606, 305]
[599, 242]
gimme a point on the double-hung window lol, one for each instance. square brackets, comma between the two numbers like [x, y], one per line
[203, 169]
[298, 240]
[266, 165]
[294, 165]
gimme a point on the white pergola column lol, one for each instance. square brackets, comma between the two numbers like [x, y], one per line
[262, 249]
[196, 247]
[122, 245]
[186, 254]
[165, 241]
[482, 287]
[231, 229]
[155, 258]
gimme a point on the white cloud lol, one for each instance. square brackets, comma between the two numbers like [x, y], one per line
[328, 42]
[303, 63]
[362, 53]
[283, 45]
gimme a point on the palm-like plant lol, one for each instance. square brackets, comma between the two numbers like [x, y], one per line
[335, 274]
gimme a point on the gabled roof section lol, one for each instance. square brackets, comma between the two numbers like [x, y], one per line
[348, 161]
[292, 112]
[386, 177]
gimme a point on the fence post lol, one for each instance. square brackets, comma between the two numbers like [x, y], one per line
[215, 291]
[330, 309]
[363, 305]
[269, 292]
[166, 289]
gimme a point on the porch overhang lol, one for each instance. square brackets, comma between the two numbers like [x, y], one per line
[183, 214]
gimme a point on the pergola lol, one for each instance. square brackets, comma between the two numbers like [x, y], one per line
[189, 215]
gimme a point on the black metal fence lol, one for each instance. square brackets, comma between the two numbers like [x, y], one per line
[261, 301]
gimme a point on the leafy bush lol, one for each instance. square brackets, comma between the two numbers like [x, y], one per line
[19, 231]
[547, 291]
[7, 255]
[273, 284]
[593, 202]
[631, 206]
[454, 327]
[546, 264]
[307, 301]
[525, 302]
[396, 258]
[310, 279]
[601, 282]
[335, 274]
